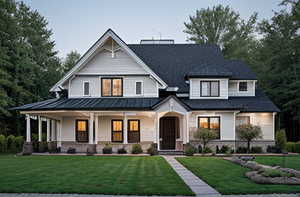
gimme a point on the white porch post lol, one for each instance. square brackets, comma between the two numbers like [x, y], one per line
[48, 130]
[96, 128]
[187, 127]
[28, 129]
[157, 131]
[125, 141]
[40, 128]
[91, 128]
[52, 130]
[58, 132]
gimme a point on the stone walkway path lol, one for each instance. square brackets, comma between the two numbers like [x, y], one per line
[199, 187]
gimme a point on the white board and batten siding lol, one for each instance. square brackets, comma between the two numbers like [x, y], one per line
[121, 66]
[233, 88]
[195, 88]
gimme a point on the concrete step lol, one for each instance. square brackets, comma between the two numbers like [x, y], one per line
[170, 152]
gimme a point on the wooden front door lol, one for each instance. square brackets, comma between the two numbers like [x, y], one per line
[167, 133]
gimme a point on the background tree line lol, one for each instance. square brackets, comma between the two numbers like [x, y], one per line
[270, 47]
[29, 65]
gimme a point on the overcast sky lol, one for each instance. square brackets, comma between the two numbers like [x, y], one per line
[77, 24]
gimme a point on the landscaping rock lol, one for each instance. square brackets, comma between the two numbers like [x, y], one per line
[296, 173]
[258, 178]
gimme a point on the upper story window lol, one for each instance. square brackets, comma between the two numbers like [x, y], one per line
[86, 88]
[138, 88]
[112, 87]
[243, 86]
[210, 88]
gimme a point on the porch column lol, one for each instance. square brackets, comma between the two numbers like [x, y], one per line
[28, 129]
[125, 141]
[48, 130]
[91, 128]
[40, 128]
[58, 132]
[53, 130]
[96, 128]
[157, 131]
[187, 127]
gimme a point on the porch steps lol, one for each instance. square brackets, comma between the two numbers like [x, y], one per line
[170, 152]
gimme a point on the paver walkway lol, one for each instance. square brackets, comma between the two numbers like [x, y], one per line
[199, 187]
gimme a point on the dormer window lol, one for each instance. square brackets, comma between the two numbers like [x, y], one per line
[86, 88]
[243, 86]
[112, 87]
[210, 88]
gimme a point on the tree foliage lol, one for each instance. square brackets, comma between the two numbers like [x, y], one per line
[70, 61]
[205, 136]
[248, 132]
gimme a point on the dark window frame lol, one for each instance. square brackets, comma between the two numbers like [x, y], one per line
[128, 130]
[89, 89]
[87, 130]
[140, 86]
[112, 131]
[243, 90]
[111, 86]
[208, 119]
[209, 88]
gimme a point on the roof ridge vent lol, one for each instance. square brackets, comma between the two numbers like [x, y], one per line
[157, 41]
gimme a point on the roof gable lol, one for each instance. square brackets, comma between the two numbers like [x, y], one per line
[93, 51]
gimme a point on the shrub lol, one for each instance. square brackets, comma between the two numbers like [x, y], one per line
[207, 150]
[273, 149]
[152, 150]
[256, 149]
[199, 148]
[290, 147]
[269, 172]
[248, 132]
[189, 149]
[35, 143]
[122, 151]
[136, 149]
[43, 147]
[280, 139]
[241, 150]
[297, 147]
[3, 144]
[224, 149]
[19, 143]
[71, 150]
[217, 149]
[11, 144]
[107, 149]
[205, 135]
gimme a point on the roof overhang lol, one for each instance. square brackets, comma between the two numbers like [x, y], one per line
[92, 51]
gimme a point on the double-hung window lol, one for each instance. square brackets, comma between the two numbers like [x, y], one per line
[210, 88]
[86, 88]
[138, 88]
[243, 86]
[117, 130]
[133, 131]
[82, 133]
[112, 87]
[210, 122]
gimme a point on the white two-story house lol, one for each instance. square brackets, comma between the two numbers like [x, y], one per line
[153, 92]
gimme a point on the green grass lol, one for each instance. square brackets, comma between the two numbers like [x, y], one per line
[90, 174]
[290, 161]
[229, 178]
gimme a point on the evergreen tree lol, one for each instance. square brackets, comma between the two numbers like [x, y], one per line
[70, 61]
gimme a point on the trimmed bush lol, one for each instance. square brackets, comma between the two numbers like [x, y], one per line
[290, 147]
[107, 149]
[207, 150]
[43, 147]
[256, 149]
[297, 147]
[280, 139]
[71, 150]
[3, 144]
[11, 144]
[217, 149]
[189, 150]
[199, 148]
[35, 143]
[152, 150]
[136, 149]
[273, 149]
[224, 149]
[122, 151]
[241, 150]
[19, 143]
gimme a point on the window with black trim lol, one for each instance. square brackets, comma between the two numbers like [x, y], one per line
[133, 131]
[111, 87]
[86, 88]
[117, 130]
[82, 133]
[210, 122]
[138, 88]
[243, 86]
[210, 88]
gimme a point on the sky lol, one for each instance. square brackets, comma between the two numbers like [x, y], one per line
[77, 24]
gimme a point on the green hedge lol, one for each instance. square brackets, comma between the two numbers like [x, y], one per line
[11, 144]
[293, 147]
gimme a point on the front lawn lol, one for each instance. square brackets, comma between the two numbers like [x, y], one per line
[90, 174]
[229, 178]
[288, 161]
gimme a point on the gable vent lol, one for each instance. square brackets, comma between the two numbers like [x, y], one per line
[161, 41]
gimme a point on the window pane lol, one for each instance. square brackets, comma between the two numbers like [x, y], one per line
[205, 88]
[81, 126]
[214, 123]
[86, 88]
[117, 136]
[106, 87]
[134, 125]
[117, 87]
[138, 88]
[117, 125]
[203, 123]
[214, 88]
[243, 86]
